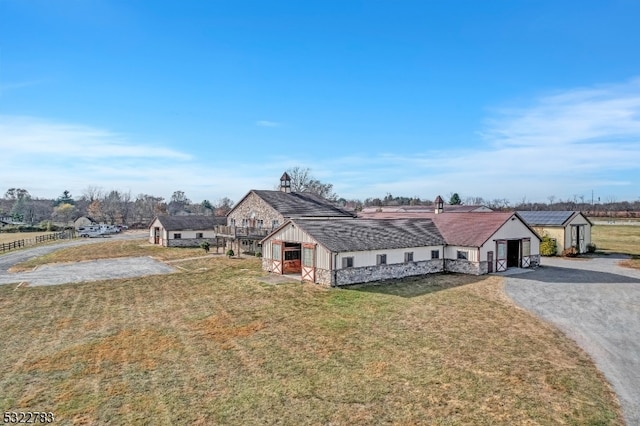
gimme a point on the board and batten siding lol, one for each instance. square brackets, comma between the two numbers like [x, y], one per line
[579, 220]
[512, 230]
[293, 234]
[394, 256]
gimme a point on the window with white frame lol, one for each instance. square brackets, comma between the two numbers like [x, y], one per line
[245, 223]
[276, 250]
[463, 255]
[435, 254]
[408, 257]
[381, 259]
[347, 262]
[526, 247]
[177, 236]
[199, 235]
[275, 223]
[260, 223]
[307, 256]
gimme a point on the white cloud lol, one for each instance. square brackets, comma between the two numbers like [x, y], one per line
[266, 123]
[563, 143]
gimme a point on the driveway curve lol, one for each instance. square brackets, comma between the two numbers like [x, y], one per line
[93, 270]
[596, 303]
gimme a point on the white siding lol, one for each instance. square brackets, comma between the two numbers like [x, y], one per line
[511, 230]
[293, 234]
[451, 252]
[394, 256]
[192, 234]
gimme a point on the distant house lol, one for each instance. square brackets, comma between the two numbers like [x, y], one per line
[568, 228]
[457, 208]
[84, 221]
[340, 252]
[184, 231]
[4, 223]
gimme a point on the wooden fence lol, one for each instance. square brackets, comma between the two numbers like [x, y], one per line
[25, 242]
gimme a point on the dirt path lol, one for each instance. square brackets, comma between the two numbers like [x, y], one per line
[596, 303]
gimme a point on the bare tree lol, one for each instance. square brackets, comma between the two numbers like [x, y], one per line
[302, 181]
[92, 193]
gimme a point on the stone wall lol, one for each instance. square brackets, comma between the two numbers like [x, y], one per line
[463, 266]
[534, 260]
[386, 272]
[259, 209]
[323, 276]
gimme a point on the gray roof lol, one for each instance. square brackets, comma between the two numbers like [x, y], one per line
[191, 223]
[339, 235]
[301, 204]
[550, 218]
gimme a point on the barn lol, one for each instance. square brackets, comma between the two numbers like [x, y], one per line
[185, 231]
[348, 251]
[568, 228]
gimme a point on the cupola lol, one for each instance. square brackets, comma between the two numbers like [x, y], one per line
[285, 183]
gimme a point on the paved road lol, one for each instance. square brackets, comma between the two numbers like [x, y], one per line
[93, 270]
[596, 303]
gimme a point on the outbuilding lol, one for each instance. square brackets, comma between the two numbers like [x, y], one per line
[185, 231]
[568, 228]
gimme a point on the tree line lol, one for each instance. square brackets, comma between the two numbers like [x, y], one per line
[111, 206]
[120, 207]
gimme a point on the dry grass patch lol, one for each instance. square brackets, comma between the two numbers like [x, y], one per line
[9, 237]
[215, 346]
[619, 239]
[110, 250]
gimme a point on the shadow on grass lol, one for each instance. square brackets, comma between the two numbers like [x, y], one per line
[416, 286]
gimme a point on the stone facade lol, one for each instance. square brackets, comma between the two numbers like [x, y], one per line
[254, 209]
[323, 276]
[386, 272]
[534, 260]
[463, 267]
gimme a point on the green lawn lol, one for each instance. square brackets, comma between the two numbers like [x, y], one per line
[215, 345]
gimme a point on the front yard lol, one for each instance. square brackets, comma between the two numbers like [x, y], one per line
[214, 345]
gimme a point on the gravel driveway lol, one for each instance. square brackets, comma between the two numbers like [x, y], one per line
[596, 303]
[93, 270]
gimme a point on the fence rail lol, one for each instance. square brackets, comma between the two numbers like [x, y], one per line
[26, 242]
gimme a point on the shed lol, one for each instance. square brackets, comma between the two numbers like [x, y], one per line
[569, 228]
[184, 231]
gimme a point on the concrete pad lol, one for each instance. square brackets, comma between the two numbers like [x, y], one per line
[93, 270]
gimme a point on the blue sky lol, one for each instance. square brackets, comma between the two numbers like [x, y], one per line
[497, 99]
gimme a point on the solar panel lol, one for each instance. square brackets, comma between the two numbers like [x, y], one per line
[545, 217]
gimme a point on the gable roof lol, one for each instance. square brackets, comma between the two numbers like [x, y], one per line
[340, 235]
[193, 223]
[298, 204]
[473, 229]
[448, 208]
[550, 218]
